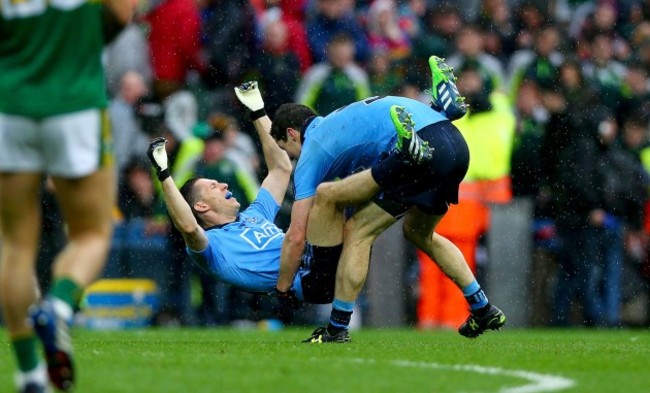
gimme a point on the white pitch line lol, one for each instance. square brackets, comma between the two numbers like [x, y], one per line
[538, 382]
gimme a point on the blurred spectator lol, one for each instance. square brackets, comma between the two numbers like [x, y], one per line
[175, 44]
[128, 138]
[411, 16]
[469, 54]
[338, 81]
[579, 94]
[530, 18]
[636, 137]
[495, 18]
[295, 39]
[129, 51]
[215, 165]
[384, 79]
[140, 240]
[539, 63]
[240, 148]
[441, 23]
[294, 9]
[181, 113]
[601, 19]
[335, 18]
[635, 92]
[279, 68]
[384, 30]
[137, 197]
[228, 36]
[532, 118]
[603, 71]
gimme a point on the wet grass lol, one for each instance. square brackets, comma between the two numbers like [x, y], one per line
[224, 360]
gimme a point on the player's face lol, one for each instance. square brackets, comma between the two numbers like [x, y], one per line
[216, 195]
[291, 146]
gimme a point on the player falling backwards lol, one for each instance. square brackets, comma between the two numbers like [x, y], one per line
[243, 248]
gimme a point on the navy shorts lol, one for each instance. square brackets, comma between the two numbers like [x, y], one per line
[319, 273]
[432, 186]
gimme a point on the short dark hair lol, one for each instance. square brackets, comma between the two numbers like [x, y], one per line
[289, 116]
[191, 196]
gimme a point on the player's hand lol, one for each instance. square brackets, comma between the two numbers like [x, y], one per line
[287, 299]
[158, 157]
[249, 95]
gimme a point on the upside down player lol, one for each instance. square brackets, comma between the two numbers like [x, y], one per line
[356, 137]
[243, 248]
[53, 121]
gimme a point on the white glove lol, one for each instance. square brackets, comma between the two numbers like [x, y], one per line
[249, 95]
[158, 157]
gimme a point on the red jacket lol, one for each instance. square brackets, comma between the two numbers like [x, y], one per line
[175, 39]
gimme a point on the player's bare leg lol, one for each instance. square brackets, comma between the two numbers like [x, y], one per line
[360, 232]
[325, 225]
[419, 229]
[86, 204]
[20, 220]
[353, 190]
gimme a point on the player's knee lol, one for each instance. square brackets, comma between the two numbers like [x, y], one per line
[325, 190]
[417, 235]
[325, 195]
[98, 237]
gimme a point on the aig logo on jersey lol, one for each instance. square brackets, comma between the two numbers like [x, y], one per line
[261, 236]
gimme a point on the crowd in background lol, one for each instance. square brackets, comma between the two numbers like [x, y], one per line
[559, 99]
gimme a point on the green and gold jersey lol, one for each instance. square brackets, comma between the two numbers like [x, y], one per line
[50, 57]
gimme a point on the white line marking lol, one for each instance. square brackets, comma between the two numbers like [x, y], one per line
[537, 382]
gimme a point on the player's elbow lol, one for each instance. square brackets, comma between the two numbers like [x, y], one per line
[187, 228]
[283, 166]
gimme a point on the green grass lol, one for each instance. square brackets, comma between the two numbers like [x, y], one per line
[224, 360]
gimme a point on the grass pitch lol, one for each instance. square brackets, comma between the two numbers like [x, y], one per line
[224, 360]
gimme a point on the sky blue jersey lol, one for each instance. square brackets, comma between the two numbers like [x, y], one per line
[351, 139]
[246, 252]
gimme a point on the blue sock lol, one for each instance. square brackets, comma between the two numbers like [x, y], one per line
[341, 315]
[475, 296]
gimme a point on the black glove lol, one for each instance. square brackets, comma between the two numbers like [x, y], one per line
[286, 299]
[158, 157]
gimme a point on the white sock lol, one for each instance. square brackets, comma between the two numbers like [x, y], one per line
[37, 375]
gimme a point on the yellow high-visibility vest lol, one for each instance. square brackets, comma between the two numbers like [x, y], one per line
[489, 136]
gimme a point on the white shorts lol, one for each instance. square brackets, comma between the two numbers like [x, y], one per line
[70, 145]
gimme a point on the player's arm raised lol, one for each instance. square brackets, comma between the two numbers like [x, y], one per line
[179, 210]
[277, 160]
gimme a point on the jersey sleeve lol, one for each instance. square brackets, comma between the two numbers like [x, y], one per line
[311, 170]
[263, 206]
[201, 258]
